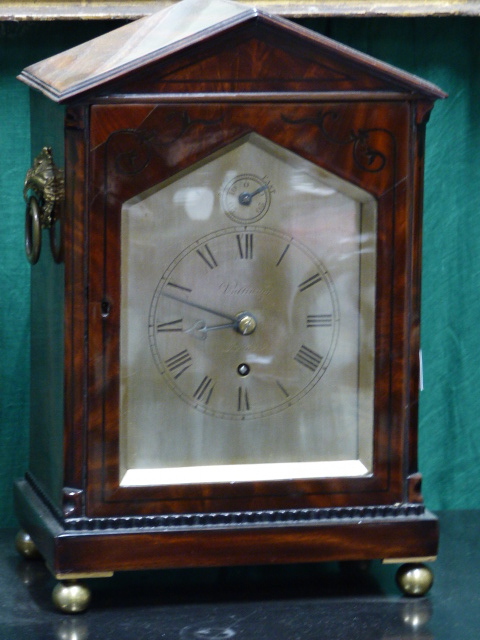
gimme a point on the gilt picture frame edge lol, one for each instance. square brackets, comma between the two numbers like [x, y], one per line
[28, 10]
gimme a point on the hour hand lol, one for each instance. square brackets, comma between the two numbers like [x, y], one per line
[200, 329]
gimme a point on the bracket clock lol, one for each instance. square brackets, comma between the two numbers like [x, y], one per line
[224, 223]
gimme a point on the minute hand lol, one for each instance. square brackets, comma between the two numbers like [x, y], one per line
[214, 312]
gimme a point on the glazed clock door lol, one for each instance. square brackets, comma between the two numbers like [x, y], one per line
[246, 270]
[240, 313]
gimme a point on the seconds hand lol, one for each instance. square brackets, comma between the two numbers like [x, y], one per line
[245, 198]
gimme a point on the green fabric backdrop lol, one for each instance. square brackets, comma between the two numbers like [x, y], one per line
[442, 50]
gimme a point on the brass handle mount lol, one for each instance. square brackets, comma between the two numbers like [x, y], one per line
[44, 194]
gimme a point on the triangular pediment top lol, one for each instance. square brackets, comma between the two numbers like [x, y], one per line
[121, 56]
[248, 64]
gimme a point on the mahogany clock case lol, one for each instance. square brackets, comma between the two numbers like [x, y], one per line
[140, 125]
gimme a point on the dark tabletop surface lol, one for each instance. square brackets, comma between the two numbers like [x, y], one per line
[301, 602]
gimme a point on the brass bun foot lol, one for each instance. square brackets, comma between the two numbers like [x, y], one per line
[71, 596]
[414, 579]
[26, 546]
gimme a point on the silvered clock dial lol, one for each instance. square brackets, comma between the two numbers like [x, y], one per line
[244, 322]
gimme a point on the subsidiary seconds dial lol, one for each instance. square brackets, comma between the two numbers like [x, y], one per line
[246, 198]
[244, 322]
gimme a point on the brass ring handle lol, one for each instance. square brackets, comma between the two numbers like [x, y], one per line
[44, 192]
[33, 230]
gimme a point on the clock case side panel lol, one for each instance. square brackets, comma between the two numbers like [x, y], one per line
[47, 327]
[387, 485]
[420, 118]
[76, 311]
[56, 472]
